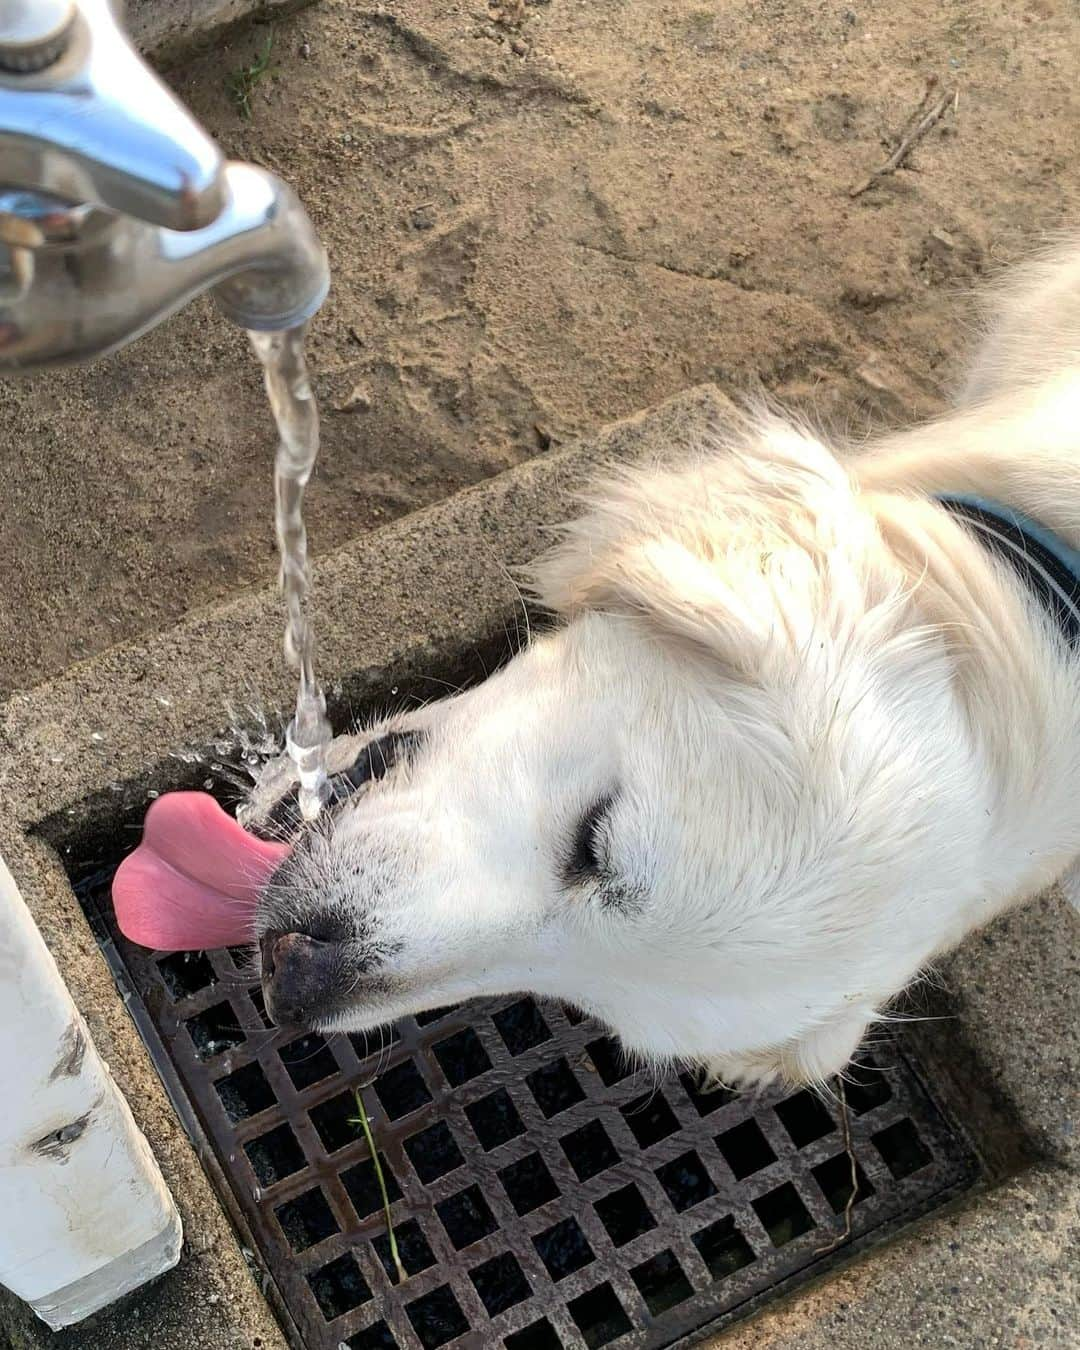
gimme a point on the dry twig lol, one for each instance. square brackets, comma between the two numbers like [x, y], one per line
[845, 1122]
[921, 121]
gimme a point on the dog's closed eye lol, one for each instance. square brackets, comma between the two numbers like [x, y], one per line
[587, 858]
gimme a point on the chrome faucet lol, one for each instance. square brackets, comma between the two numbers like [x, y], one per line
[116, 208]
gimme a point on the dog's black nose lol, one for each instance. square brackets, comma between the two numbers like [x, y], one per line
[300, 976]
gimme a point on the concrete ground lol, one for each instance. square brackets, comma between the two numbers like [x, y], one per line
[997, 1269]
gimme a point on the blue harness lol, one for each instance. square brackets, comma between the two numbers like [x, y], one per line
[1042, 559]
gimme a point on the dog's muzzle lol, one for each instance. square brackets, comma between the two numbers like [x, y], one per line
[301, 977]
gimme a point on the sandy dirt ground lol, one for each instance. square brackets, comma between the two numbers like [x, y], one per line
[542, 216]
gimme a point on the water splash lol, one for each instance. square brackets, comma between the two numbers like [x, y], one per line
[297, 416]
[237, 758]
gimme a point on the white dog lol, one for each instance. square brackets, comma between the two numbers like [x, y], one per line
[803, 728]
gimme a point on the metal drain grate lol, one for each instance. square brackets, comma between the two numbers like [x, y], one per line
[543, 1196]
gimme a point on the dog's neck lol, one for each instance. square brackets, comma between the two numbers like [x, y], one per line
[1018, 454]
[1021, 449]
[1049, 566]
[1043, 560]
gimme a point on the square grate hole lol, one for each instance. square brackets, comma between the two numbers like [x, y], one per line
[650, 1119]
[834, 1178]
[494, 1119]
[377, 1337]
[434, 1152]
[462, 1057]
[528, 1183]
[336, 1121]
[625, 1215]
[416, 1255]
[705, 1101]
[521, 1026]
[589, 1150]
[783, 1214]
[866, 1087]
[902, 1149]
[339, 1287]
[362, 1186]
[686, 1181]
[437, 1317]
[467, 1217]
[563, 1248]
[368, 1043]
[539, 1335]
[723, 1248]
[600, 1316]
[501, 1284]
[245, 1093]
[185, 973]
[425, 1019]
[805, 1118]
[243, 960]
[214, 1031]
[275, 1156]
[307, 1220]
[745, 1149]
[555, 1088]
[609, 1061]
[402, 1090]
[662, 1282]
[308, 1061]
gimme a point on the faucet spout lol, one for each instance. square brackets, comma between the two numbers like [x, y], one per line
[116, 208]
[275, 271]
[105, 280]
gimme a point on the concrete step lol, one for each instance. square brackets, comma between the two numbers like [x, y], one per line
[169, 29]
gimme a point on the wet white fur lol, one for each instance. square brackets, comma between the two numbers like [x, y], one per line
[840, 737]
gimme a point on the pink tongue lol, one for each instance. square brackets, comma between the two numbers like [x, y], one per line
[195, 879]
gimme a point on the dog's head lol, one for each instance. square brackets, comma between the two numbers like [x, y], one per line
[714, 808]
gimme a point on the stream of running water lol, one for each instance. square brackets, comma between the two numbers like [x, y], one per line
[292, 402]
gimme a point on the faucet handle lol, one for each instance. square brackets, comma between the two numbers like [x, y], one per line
[82, 117]
[34, 33]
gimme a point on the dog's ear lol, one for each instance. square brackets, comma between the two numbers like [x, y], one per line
[749, 553]
[702, 604]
